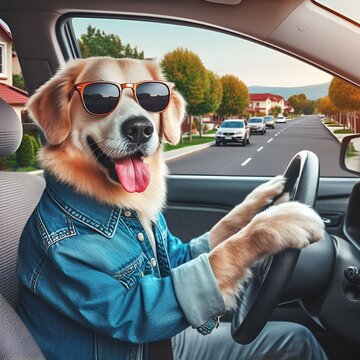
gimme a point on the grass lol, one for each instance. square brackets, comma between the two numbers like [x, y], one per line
[196, 140]
[330, 122]
[213, 131]
[343, 131]
[334, 125]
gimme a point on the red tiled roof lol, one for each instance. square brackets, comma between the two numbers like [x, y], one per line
[7, 33]
[13, 95]
[263, 97]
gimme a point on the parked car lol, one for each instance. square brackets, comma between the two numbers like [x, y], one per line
[257, 125]
[281, 119]
[269, 121]
[233, 131]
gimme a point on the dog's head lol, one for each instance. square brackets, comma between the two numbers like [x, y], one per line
[121, 142]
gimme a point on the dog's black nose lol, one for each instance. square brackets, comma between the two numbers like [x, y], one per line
[138, 129]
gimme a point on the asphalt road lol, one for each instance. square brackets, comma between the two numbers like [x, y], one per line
[267, 154]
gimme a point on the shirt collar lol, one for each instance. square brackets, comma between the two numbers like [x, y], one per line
[101, 217]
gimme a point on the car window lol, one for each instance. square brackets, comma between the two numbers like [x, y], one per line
[13, 91]
[255, 120]
[232, 124]
[234, 78]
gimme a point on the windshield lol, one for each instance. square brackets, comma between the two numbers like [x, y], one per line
[268, 118]
[232, 124]
[255, 120]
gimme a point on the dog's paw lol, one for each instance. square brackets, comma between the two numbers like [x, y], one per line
[265, 193]
[289, 225]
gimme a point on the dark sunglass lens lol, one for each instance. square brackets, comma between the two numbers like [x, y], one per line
[101, 98]
[153, 96]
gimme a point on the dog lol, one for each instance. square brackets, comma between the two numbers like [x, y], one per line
[114, 155]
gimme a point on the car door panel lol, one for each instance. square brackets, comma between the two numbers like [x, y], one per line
[196, 203]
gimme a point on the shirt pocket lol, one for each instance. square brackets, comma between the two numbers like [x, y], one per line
[133, 272]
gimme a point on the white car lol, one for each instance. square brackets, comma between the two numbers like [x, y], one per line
[257, 125]
[233, 131]
[269, 121]
[281, 119]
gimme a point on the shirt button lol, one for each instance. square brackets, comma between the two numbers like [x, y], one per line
[140, 236]
[153, 262]
[127, 213]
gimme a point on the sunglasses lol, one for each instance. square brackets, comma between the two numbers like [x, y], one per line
[102, 97]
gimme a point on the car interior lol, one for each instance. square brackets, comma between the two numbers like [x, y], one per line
[318, 294]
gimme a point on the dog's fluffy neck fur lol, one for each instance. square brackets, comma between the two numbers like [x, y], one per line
[70, 166]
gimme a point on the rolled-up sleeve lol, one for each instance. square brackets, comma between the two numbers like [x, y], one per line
[197, 291]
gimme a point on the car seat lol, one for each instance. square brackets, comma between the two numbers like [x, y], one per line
[19, 194]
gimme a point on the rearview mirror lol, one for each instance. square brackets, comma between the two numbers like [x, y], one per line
[350, 154]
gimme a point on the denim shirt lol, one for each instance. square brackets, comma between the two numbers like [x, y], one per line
[91, 286]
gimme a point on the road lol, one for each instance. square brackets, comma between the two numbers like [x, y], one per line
[267, 154]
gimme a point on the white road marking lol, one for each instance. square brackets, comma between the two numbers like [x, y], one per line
[260, 148]
[276, 134]
[246, 161]
[270, 140]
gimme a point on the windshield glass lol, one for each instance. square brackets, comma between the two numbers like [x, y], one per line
[255, 120]
[268, 118]
[232, 124]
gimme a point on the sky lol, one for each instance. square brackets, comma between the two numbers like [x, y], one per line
[222, 53]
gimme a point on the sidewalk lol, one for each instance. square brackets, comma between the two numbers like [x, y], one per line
[174, 154]
[331, 129]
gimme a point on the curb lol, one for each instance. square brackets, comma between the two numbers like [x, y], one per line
[175, 154]
[339, 139]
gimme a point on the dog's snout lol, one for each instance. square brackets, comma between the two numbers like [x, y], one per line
[138, 129]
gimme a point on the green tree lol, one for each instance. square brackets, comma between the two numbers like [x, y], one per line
[276, 110]
[301, 104]
[309, 107]
[18, 81]
[25, 153]
[213, 95]
[235, 97]
[186, 70]
[97, 43]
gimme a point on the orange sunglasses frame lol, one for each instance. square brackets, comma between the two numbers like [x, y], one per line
[81, 87]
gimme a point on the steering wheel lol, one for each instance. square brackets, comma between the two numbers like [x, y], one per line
[261, 294]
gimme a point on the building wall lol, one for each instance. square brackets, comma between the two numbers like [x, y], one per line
[7, 79]
[18, 110]
[16, 69]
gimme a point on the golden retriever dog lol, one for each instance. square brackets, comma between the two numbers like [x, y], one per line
[116, 157]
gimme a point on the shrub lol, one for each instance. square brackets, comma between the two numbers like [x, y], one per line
[4, 163]
[25, 155]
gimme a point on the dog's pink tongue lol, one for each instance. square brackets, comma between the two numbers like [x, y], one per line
[133, 174]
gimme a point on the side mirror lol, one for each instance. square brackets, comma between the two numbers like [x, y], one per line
[350, 154]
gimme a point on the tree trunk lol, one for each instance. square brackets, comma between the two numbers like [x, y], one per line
[190, 128]
[200, 125]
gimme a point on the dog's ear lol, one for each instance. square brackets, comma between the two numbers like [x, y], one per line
[49, 106]
[172, 118]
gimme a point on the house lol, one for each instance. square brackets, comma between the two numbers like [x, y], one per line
[264, 103]
[14, 96]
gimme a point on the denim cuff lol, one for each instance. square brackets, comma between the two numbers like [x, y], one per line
[200, 245]
[197, 291]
